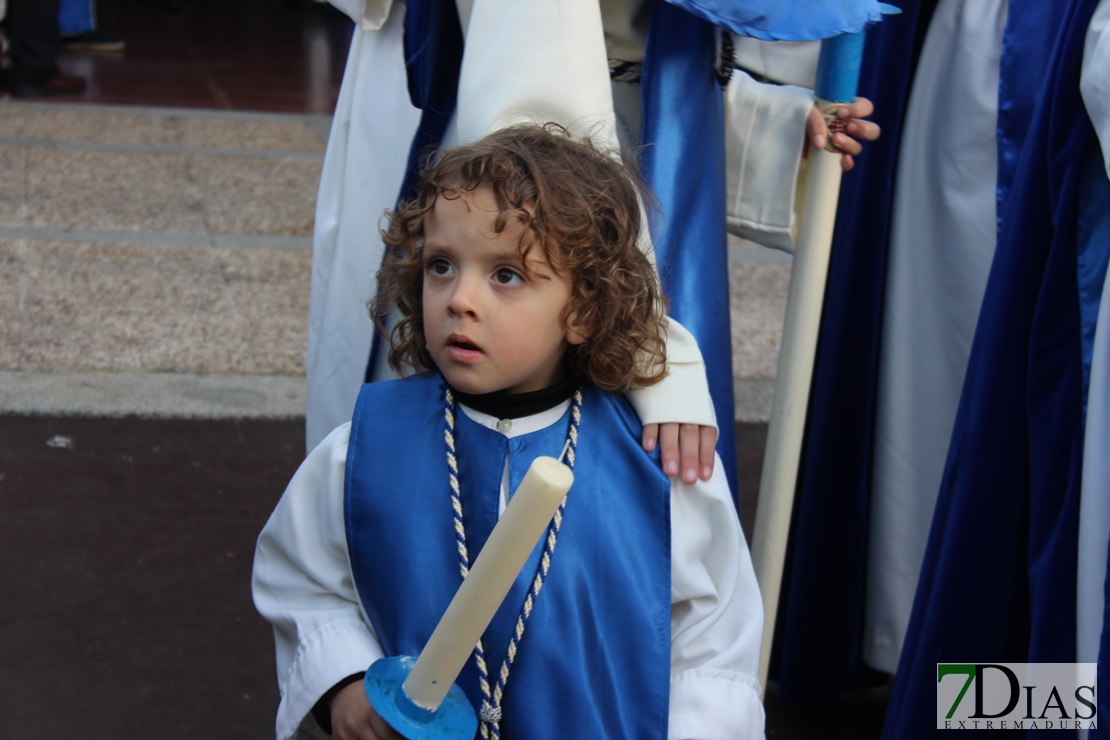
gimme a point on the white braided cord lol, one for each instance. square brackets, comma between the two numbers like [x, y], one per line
[460, 537]
[490, 713]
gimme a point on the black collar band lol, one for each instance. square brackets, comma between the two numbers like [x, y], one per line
[505, 405]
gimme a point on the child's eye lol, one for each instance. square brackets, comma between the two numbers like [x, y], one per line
[507, 276]
[439, 266]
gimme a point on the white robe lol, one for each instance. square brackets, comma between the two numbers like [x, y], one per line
[941, 246]
[540, 60]
[303, 584]
[364, 164]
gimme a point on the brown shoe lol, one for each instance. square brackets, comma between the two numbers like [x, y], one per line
[60, 84]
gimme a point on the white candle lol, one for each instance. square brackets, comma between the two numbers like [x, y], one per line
[524, 521]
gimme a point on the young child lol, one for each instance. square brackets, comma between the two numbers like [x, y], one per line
[527, 308]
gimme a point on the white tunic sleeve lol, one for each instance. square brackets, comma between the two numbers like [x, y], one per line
[303, 586]
[716, 617]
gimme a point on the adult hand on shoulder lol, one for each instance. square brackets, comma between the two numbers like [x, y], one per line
[856, 130]
[686, 447]
[352, 717]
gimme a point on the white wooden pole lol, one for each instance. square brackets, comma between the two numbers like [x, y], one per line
[838, 70]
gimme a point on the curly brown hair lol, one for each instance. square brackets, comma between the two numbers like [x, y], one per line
[580, 205]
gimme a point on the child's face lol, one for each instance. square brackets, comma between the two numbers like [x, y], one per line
[490, 325]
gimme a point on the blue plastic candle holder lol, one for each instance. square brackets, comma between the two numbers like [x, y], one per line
[454, 718]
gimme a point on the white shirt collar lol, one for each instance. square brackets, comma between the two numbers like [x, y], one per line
[517, 427]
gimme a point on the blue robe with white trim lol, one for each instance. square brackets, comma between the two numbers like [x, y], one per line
[998, 581]
[835, 484]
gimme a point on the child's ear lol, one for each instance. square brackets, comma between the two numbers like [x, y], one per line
[577, 331]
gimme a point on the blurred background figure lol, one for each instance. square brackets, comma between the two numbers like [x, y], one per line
[34, 46]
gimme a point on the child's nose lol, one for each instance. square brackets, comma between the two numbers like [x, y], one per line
[464, 296]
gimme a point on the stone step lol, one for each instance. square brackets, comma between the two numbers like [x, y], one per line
[156, 261]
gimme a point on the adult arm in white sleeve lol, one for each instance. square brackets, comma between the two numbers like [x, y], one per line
[765, 128]
[683, 396]
[716, 618]
[302, 584]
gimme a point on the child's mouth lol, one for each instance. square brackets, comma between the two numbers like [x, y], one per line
[461, 348]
